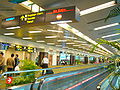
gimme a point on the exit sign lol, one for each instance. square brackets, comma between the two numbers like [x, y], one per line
[16, 1]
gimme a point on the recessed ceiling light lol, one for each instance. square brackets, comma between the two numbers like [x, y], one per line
[76, 45]
[70, 37]
[50, 36]
[61, 40]
[80, 41]
[27, 37]
[59, 22]
[70, 43]
[106, 26]
[110, 35]
[40, 41]
[97, 8]
[9, 33]
[55, 31]
[58, 45]
[13, 27]
[34, 31]
[51, 43]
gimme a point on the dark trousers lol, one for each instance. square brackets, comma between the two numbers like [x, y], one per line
[9, 69]
[44, 66]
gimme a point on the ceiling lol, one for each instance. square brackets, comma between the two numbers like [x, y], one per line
[86, 25]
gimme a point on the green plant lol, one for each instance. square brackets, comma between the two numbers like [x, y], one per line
[25, 77]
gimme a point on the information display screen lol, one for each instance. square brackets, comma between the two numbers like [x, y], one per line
[4, 46]
[19, 48]
[10, 22]
[61, 14]
[30, 49]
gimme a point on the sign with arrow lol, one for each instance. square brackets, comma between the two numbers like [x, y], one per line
[9, 80]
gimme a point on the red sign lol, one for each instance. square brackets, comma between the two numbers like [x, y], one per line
[9, 80]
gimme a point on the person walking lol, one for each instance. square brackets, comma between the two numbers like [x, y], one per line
[10, 63]
[2, 62]
[44, 63]
[16, 60]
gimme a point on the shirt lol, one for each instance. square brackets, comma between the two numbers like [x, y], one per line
[45, 60]
[10, 63]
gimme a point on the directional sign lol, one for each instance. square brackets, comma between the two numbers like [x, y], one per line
[32, 18]
[9, 80]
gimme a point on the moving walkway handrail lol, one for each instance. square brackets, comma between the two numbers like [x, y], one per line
[100, 84]
[11, 72]
[46, 78]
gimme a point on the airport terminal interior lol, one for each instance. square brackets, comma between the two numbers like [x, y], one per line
[59, 44]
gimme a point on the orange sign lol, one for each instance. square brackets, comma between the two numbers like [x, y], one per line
[9, 80]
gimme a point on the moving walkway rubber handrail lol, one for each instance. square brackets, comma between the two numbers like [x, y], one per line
[44, 78]
[100, 84]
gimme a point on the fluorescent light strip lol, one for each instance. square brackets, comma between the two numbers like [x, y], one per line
[40, 41]
[59, 22]
[34, 31]
[70, 37]
[13, 27]
[27, 37]
[50, 36]
[110, 35]
[114, 40]
[97, 8]
[80, 41]
[76, 45]
[70, 43]
[9, 33]
[51, 43]
[58, 45]
[61, 40]
[106, 26]
[76, 32]
[55, 31]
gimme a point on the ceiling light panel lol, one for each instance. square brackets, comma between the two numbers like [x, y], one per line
[55, 31]
[106, 26]
[97, 8]
[34, 31]
[27, 37]
[70, 43]
[62, 40]
[51, 37]
[13, 27]
[40, 41]
[110, 35]
[9, 33]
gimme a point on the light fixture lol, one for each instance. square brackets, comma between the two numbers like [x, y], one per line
[80, 41]
[27, 37]
[110, 35]
[40, 41]
[13, 27]
[76, 45]
[70, 43]
[97, 8]
[59, 22]
[51, 43]
[50, 36]
[9, 33]
[55, 31]
[61, 40]
[70, 37]
[106, 26]
[58, 45]
[114, 40]
[34, 31]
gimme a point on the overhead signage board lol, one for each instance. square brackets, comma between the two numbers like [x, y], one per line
[63, 14]
[44, 17]
[16, 1]
[10, 22]
[32, 18]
